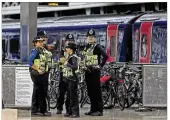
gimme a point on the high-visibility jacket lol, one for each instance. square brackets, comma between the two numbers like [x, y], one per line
[90, 58]
[45, 61]
[68, 72]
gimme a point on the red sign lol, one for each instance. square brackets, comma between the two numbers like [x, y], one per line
[112, 42]
[145, 42]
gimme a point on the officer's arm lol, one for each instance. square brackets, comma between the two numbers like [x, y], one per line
[104, 55]
[33, 55]
[74, 65]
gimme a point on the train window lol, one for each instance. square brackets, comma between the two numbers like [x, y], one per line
[95, 10]
[112, 46]
[14, 45]
[144, 45]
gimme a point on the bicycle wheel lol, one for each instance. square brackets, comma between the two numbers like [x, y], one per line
[106, 95]
[113, 97]
[52, 97]
[81, 89]
[121, 96]
[80, 94]
[88, 99]
[139, 92]
[85, 99]
[130, 100]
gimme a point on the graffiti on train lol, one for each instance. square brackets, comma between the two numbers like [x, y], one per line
[159, 45]
[136, 43]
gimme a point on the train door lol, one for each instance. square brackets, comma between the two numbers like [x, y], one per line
[112, 30]
[145, 42]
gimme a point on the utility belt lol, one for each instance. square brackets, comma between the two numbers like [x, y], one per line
[69, 74]
[93, 68]
[35, 72]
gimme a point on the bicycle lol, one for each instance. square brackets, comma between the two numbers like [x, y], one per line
[53, 87]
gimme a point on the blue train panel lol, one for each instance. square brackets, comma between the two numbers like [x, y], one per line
[135, 42]
[13, 30]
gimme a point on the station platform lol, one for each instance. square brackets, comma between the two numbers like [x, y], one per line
[109, 114]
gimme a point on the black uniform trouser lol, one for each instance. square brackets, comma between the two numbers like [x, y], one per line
[72, 104]
[40, 87]
[45, 83]
[62, 91]
[94, 91]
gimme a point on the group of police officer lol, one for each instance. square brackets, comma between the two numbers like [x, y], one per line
[40, 62]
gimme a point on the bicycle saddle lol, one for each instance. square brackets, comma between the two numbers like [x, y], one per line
[139, 67]
[129, 73]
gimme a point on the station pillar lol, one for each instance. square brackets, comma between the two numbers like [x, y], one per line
[28, 28]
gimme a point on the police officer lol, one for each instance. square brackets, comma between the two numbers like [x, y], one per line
[63, 84]
[93, 53]
[43, 35]
[38, 69]
[70, 71]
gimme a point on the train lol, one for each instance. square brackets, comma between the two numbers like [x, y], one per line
[139, 38]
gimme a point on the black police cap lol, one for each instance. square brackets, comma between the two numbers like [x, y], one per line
[70, 37]
[71, 46]
[41, 33]
[37, 38]
[91, 32]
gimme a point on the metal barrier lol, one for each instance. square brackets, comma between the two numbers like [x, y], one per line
[17, 86]
[154, 85]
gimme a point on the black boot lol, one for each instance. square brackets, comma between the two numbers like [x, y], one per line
[59, 112]
[97, 114]
[88, 113]
[44, 114]
[34, 114]
[67, 115]
[47, 113]
[74, 116]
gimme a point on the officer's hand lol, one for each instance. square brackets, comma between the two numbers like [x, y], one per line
[40, 72]
[84, 68]
[65, 63]
[97, 67]
[62, 60]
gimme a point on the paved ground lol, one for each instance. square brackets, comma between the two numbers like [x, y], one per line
[111, 114]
